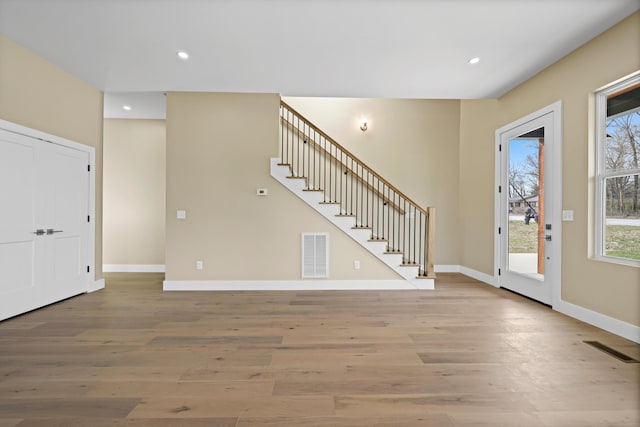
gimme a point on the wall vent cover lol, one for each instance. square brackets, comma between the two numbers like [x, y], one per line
[315, 255]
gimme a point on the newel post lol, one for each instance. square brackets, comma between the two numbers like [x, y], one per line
[431, 235]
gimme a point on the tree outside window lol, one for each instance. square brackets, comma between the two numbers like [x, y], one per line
[618, 171]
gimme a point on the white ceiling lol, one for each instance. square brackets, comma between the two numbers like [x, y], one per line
[342, 48]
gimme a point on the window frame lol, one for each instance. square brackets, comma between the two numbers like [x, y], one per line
[601, 174]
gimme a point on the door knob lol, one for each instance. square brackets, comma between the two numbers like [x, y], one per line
[547, 238]
[39, 232]
[51, 231]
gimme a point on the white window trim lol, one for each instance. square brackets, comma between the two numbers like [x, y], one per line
[601, 173]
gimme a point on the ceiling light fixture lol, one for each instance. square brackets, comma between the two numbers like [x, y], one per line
[126, 107]
[474, 60]
[182, 54]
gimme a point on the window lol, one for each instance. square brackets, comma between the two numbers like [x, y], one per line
[617, 217]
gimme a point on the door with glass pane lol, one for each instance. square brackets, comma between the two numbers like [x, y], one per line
[526, 227]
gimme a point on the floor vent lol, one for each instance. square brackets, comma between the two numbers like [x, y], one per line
[611, 352]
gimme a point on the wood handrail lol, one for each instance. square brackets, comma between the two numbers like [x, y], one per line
[348, 153]
[354, 174]
[416, 242]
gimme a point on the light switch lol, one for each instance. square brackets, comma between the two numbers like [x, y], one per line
[567, 215]
[181, 214]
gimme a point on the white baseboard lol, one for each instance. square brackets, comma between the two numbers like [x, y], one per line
[133, 268]
[95, 286]
[447, 268]
[483, 277]
[295, 285]
[609, 324]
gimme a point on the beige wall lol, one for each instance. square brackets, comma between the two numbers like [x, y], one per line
[610, 289]
[218, 151]
[412, 143]
[39, 95]
[478, 124]
[134, 191]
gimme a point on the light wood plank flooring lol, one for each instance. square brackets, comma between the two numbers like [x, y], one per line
[465, 354]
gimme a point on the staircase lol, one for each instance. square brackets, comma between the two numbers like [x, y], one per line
[356, 199]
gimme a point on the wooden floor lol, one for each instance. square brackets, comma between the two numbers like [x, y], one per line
[465, 354]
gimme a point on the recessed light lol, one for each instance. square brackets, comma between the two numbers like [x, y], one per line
[183, 55]
[474, 60]
[126, 107]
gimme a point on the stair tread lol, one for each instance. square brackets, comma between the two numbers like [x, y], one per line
[312, 189]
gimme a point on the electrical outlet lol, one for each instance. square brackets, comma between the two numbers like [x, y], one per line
[356, 265]
[199, 265]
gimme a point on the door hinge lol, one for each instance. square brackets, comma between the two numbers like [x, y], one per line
[88, 268]
[88, 218]
[499, 230]
[499, 188]
[499, 272]
[500, 147]
[88, 168]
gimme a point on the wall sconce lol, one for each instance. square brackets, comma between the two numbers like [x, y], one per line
[363, 125]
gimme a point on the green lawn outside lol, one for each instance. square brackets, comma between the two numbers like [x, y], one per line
[523, 237]
[622, 241]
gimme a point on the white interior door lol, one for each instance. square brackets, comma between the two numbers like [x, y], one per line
[21, 250]
[44, 190]
[528, 208]
[67, 189]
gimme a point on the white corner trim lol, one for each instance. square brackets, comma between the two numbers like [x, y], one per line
[95, 286]
[602, 321]
[483, 277]
[133, 268]
[295, 285]
[447, 268]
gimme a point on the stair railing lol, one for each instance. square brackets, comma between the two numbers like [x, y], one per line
[343, 179]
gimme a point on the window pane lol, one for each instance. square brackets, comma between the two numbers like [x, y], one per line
[622, 222]
[526, 189]
[622, 145]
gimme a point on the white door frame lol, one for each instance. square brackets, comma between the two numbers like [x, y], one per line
[91, 284]
[553, 272]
